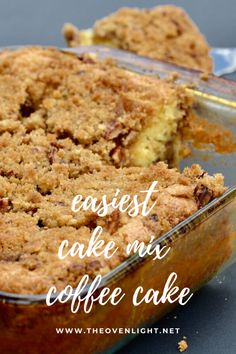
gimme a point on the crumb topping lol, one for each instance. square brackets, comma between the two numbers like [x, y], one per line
[36, 217]
[164, 33]
[93, 108]
[61, 121]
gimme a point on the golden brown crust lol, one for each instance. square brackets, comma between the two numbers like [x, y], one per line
[164, 33]
[85, 103]
[56, 136]
[34, 221]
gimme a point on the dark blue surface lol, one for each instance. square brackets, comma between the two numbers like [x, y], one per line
[31, 21]
[208, 321]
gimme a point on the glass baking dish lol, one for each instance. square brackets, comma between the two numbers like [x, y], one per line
[201, 246]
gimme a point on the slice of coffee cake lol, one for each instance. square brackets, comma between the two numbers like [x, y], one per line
[89, 111]
[164, 33]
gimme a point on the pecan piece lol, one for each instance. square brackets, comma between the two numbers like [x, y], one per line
[202, 174]
[51, 154]
[5, 205]
[118, 156]
[26, 109]
[179, 28]
[203, 195]
[93, 266]
[7, 173]
[113, 221]
[77, 269]
[32, 211]
[119, 110]
[154, 217]
[86, 59]
[114, 129]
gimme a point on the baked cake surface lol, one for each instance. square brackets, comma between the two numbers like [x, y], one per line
[164, 33]
[67, 125]
[34, 221]
[88, 111]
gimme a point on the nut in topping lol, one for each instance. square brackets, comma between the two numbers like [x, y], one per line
[203, 195]
[114, 129]
[51, 154]
[5, 205]
[113, 221]
[118, 156]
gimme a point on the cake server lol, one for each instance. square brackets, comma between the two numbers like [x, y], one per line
[224, 60]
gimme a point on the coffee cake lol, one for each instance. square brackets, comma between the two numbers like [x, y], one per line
[164, 33]
[89, 111]
[36, 216]
[73, 125]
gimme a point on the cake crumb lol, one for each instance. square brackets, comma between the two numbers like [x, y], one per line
[182, 345]
[204, 76]
[173, 76]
